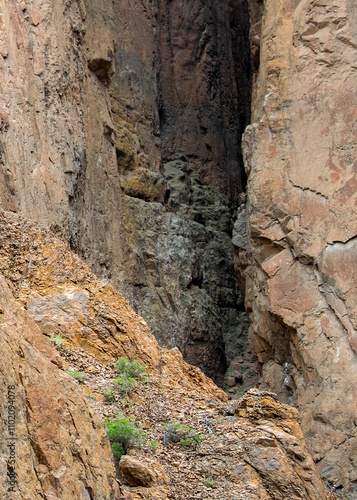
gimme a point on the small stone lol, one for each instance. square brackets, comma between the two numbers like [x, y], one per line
[231, 381]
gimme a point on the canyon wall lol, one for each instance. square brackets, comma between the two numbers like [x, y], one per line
[54, 445]
[120, 129]
[300, 154]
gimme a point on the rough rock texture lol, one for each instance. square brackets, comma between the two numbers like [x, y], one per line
[179, 159]
[65, 298]
[300, 154]
[254, 446]
[261, 453]
[105, 135]
[61, 450]
[142, 473]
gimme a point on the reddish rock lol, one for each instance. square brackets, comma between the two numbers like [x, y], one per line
[61, 449]
[301, 282]
[142, 473]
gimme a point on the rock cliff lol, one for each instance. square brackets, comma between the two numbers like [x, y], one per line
[55, 446]
[120, 127]
[129, 148]
[301, 283]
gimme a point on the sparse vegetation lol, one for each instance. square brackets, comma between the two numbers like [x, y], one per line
[176, 432]
[109, 395]
[57, 339]
[209, 483]
[124, 384]
[153, 445]
[146, 379]
[117, 450]
[132, 369]
[124, 433]
[76, 375]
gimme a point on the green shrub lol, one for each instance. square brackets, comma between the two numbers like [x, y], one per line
[117, 450]
[209, 483]
[153, 445]
[124, 384]
[146, 379]
[109, 395]
[124, 433]
[57, 339]
[176, 432]
[132, 369]
[76, 375]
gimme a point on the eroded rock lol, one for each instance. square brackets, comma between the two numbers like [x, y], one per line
[300, 157]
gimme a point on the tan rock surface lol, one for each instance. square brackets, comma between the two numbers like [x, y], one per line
[90, 111]
[301, 159]
[61, 450]
[65, 298]
[142, 473]
[253, 449]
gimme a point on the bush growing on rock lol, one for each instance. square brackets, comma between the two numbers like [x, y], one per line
[124, 384]
[123, 434]
[132, 369]
[176, 432]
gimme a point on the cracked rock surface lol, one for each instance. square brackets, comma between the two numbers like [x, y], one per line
[300, 154]
[252, 449]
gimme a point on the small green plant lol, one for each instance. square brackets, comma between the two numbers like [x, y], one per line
[124, 433]
[57, 339]
[153, 445]
[209, 483]
[244, 368]
[132, 369]
[76, 375]
[11, 257]
[109, 395]
[124, 384]
[176, 432]
[146, 379]
[117, 450]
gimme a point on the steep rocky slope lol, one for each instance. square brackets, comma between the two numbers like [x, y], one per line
[129, 148]
[253, 449]
[300, 154]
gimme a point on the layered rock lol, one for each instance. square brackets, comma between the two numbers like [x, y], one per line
[255, 446]
[301, 161]
[106, 135]
[52, 443]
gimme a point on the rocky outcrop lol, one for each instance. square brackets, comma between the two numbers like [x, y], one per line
[65, 298]
[179, 158]
[106, 135]
[62, 451]
[52, 443]
[301, 162]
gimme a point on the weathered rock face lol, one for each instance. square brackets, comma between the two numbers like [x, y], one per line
[62, 452]
[301, 161]
[129, 148]
[55, 443]
[178, 153]
[65, 298]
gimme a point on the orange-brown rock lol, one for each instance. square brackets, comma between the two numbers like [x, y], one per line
[301, 161]
[106, 135]
[142, 473]
[255, 446]
[65, 298]
[261, 453]
[60, 449]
